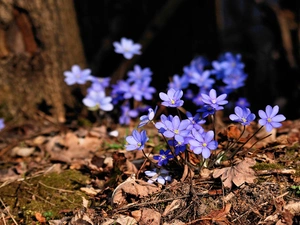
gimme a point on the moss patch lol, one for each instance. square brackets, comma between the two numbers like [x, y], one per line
[47, 194]
[267, 166]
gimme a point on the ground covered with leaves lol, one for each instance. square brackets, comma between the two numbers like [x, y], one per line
[74, 174]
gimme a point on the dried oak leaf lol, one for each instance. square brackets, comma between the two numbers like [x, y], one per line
[238, 174]
[146, 216]
[138, 188]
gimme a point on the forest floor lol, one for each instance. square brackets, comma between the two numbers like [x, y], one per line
[73, 174]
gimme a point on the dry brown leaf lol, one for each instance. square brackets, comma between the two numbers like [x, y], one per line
[121, 219]
[146, 216]
[40, 218]
[134, 187]
[238, 174]
[174, 205]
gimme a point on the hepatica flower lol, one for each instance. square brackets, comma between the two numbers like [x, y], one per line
[163, 157]
[136, 141]
[214, 100]
[77, 75]
[97, 99]
[147, 118]
[127, 114]
[127, 47]
[203, 143]
[242, 115]
[2, 125]
[269, 118]
[174, 128]
[161, 177]
[139, 74]
[172, 98]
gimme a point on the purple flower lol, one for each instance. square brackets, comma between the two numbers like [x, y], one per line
[174, 128]
[195, 121]
[172, 98]
[242, 102]
[161, 177]
[99, 84]
[163, 157]
[127, 47]
[213, 100]
[136, 141]
[145, 89]
[235, 80]
[179, 83]
[178, 147]
[2, 125]
[207, 110]
[139, 74]
[269, 118]
[76, 75]
[203, 143]
[134, 91]
[97, 99]
[242, 115]
[147, 118]
[127, 113]
[202, 80]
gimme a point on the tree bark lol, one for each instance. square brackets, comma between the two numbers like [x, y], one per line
[39, 40]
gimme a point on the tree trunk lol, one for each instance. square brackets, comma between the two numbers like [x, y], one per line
[39, 40]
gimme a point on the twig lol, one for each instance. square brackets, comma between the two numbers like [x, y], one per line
[58, 189]
[132, 205]
[11, 216]
[41, 198]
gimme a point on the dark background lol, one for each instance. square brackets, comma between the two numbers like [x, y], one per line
[199, 27]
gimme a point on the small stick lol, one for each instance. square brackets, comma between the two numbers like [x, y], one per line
[58, 189]
[11, 216]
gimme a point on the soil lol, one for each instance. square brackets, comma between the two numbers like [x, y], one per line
[59, 174]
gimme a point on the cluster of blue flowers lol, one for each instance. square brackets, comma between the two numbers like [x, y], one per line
[215, 82]
[225, 75]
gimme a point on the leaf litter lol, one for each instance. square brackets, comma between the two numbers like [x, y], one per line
[243, 191]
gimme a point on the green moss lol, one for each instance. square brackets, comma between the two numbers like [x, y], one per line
[47, 194]
[267, 166]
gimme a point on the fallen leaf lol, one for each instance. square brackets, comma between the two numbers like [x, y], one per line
[40, 218]
[138, 188]
[121, 219]
[238, 174]
[22, 151]
[174, 205]
[146, 216]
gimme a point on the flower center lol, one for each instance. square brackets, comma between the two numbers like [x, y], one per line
[244, 120]
[214, 101]
[204, 144]
[139, 144]
[163, 157]
[269, 120]
[172, 101]
[176, 131]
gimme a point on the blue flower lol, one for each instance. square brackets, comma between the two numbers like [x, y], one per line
[147, 118]
[242, 102]
[242, 115]
[196, 121]
[97, 99]
[174, 128]
[172, 98]
[213, 100]
[146, 90]
[178, 147]
[207, 110]
[2, 125]
[139, 74]
[127, 113]
[76, 75]
[269, 118]
[136, 141]
[202, 80]
[161, 177]
[127, 47]
[179, 83]
[203, 143]
[163, 157]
